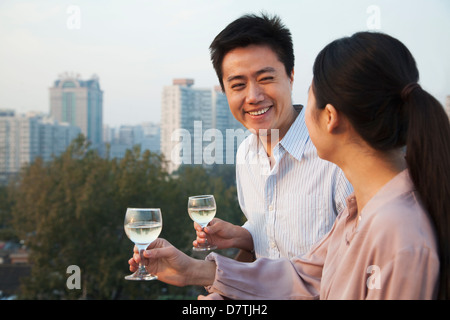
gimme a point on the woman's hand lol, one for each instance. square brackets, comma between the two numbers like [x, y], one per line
[172, 266]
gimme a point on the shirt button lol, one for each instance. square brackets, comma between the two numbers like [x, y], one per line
[270, 207]
[273, 245]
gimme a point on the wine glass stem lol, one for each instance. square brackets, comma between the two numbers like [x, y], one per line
[141, 263]
[206, 239]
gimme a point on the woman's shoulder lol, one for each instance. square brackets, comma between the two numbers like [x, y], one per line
[402, 222]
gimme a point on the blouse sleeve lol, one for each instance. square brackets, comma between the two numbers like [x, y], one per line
[411, 275]
[270, 279]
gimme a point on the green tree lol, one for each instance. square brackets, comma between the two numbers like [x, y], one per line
[7, 233]
[65, 210]
[70, 211]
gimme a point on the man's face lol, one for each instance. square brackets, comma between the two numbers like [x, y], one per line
[258, 89]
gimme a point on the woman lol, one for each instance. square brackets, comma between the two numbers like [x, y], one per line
[392, 241]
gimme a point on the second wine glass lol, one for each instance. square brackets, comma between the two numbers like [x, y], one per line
[202, 210]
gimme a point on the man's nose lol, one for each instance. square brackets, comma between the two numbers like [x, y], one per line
[255, 93]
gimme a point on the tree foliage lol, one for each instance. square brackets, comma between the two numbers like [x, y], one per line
[70, 211]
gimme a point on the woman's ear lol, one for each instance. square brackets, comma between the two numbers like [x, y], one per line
[333, 119]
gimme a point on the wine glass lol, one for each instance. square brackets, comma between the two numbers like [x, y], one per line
[202, 210]
[142, 226]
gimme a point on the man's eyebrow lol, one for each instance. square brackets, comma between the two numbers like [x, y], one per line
[231, 78]
[265, 70]
[257, 73]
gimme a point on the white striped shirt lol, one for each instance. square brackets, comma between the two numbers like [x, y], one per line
[292, 205]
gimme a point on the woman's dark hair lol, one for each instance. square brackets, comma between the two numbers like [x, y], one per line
[252, 29]
[372, 79]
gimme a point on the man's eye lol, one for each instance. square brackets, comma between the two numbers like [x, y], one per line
[266, 79]
[237, 85]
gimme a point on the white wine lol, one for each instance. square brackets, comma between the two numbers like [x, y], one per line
[143, 232]
[202, 215]
[202, 210]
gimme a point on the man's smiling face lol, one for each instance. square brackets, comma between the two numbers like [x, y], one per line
[258, 89]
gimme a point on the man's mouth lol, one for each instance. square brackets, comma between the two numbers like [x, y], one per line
[258, 112]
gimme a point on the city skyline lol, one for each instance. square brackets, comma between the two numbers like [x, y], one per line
[137, 47]
[23, 138]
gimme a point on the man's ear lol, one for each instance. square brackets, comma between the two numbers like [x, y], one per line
[333, 119]
[291, 78]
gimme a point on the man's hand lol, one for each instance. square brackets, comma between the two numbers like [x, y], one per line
[224, 235]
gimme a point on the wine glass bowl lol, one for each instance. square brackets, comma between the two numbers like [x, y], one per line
[142, 226]
[202, 210]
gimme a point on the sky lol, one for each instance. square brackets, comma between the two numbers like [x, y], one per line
[137, 47]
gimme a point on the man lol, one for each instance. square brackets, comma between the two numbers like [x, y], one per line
[289, 196]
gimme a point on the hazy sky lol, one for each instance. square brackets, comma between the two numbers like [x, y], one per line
[136, 47]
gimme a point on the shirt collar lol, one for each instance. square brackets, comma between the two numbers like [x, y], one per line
[294, 141]
[399, 185]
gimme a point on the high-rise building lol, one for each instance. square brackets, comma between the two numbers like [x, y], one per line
[19, 138]
[54, 137]
[25, 137]
[125, 137]
[79, 103]
[194, 124]
[152, 137]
